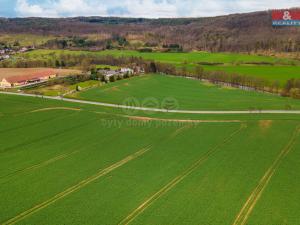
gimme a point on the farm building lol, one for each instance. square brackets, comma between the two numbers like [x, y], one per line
[27, 79]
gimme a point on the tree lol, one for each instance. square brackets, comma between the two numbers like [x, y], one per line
[85, 64]
[112, 78]
[199, 71]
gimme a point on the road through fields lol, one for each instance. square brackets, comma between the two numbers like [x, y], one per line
[220, 112]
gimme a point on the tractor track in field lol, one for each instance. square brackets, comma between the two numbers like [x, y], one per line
[34, 123]
[141, 208]
[88, 180]
[242, 217]
[37, 166]
[55, 134]
[76, 187]
[212, 112]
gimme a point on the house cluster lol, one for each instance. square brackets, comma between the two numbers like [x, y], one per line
[121, 72]
[27, 79]
[7, 52]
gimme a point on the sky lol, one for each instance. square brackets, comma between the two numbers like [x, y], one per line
[137, 8]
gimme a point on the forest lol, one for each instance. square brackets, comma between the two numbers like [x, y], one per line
[215, 34]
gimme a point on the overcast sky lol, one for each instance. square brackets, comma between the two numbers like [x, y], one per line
[136, 8]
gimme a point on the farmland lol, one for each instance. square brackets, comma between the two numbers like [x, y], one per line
[151, 90]
[200, 172]
[120, 118]
[190, 57]
[12, 72]
[271, 68]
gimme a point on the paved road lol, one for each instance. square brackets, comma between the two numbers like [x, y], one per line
[157, 110]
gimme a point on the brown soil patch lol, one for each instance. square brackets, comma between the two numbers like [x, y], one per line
[265, 124]
[115, 89]
[12, 72]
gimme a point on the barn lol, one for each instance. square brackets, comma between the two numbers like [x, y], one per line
[27, 79]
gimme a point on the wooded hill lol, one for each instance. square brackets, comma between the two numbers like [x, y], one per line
[238, 32]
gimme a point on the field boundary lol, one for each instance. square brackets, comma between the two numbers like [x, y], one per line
[242, 217]
[140, 118]
[55, 108]
[76, 187]
[217, 112]
[141, 208]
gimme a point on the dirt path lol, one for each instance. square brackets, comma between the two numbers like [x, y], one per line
[55, 108]
[181, 121]
[141, 208]
[76, 187]
[249, 205]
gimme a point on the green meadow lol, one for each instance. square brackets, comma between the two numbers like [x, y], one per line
[190, 57]
[279, 69]
[69, 163]
[272, 73]
[153, 90]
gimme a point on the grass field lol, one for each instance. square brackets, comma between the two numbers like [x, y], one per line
[191, 57]
[62, 89]
[67, 163]
[281, 70]
[153, 90]
[273, 73]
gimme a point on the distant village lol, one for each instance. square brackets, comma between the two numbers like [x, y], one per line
[7, 52]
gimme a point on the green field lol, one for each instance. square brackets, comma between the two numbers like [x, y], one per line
[152, 90]
[281, 70]
[190, 57]
[68, 163]
[61, 89]
[273, 73]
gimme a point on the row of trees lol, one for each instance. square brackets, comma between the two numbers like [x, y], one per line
[81, 61]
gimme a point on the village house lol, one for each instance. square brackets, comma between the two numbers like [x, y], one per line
[138, 70]
[126, 70]
[19, 81]
[122, 71]
[109, 73]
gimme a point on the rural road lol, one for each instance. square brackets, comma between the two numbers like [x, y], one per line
[155, 109]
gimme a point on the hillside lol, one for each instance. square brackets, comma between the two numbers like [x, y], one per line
[237, 32]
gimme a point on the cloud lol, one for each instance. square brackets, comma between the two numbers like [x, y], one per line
[23, 8]
[144, 8]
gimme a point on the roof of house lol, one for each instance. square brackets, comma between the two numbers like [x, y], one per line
[33, 76]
